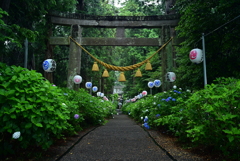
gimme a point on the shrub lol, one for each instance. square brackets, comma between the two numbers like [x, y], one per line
[31, 105]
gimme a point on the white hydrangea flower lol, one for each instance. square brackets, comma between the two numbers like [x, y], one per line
[16, 135]
[146, 117]
[174, 87]
[154, 103]
[141, 118]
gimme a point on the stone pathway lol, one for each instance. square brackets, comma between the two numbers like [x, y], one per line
[121, 139]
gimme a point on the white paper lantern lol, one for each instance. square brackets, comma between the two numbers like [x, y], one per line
[16, 135]
[196, 56]
[88, 85]
[157, 83]
[49, 65]
[171, 76]
[77, 79]
[98, 94]
[150, 84]
[94, 88]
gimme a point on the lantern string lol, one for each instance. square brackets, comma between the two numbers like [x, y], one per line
[217, 29]
[116, 68]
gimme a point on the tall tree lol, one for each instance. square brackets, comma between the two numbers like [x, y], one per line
[220, 22]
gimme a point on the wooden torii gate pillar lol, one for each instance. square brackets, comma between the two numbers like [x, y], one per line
[74, 63]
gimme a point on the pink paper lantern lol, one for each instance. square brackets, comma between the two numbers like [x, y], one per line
[196, 56]
[77, 79]
[144, 93]
[171, 76]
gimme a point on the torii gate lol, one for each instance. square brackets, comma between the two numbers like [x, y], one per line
[79, 21]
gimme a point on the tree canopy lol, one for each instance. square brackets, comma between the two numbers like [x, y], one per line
[218, 20]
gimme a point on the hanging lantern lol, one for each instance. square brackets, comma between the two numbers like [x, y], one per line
[105, 98]
[138, 73]
[144, 93]
[121, 77]
[150, 84]
[94, 88]
[98, 94]
[148, 66]
[88, 85]
[196, 56]
[49, 65]
[105, 73]
[157, 83]
[171, 76]
[95, 67]
[77, 79]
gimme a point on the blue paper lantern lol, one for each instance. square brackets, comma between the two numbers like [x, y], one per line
[94, 88]
[150, 84]
[157, 83]
[88, 85]
[49, 65]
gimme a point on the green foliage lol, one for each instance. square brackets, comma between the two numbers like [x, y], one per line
[209, 117]
[93, 109]
[43, 112]
[210, 18]
[213, 116]
[30, 104]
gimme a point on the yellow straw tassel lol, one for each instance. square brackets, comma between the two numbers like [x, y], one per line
[105, 73]
[95, 67]
[148, 66]
[138, 73]
[122, 77]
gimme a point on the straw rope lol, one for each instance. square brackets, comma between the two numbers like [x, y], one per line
[116, 68]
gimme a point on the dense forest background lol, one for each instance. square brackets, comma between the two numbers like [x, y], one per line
[218, 20]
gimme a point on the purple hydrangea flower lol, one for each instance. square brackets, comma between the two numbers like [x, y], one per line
[76, 116]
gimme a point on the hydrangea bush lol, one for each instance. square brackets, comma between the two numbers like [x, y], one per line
[42, 112]
[209, 117]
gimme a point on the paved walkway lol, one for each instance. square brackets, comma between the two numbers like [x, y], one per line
[121, 139]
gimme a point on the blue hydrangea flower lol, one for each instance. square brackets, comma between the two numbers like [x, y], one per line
[145, 120]
[173, 99]
[167, 100]
[157, 115]
[163, 99]
[146, 125]
[158, 105]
